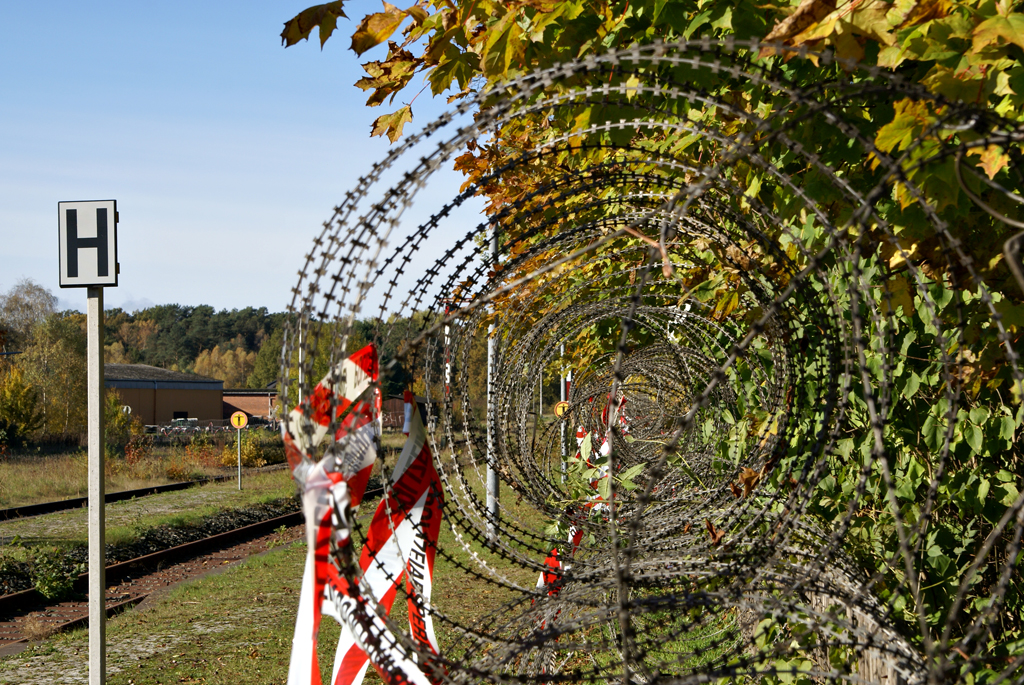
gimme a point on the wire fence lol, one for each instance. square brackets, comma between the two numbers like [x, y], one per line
[775, 406]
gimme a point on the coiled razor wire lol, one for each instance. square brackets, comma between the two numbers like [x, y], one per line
[714, 560]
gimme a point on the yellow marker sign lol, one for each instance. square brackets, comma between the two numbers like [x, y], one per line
[239, 419]
[561, 408]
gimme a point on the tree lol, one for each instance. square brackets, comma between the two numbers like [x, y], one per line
[233, 366]
[20, 415]
[267, 364]
[21, 308]
[970, 51]
[55, 362]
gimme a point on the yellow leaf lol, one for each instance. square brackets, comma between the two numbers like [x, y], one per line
[376, 28]
[418, 14]
[632, 87]
[808, 13]
[1010, 28]
[898, 290]
[392, 124]
[992, 159]
[920, 12]
[847, 47]
[909, 120]
[504, 43]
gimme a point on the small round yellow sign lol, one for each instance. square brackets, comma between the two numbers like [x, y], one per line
[561, 408]
[239, 420]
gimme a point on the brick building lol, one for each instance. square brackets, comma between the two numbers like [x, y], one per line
[261, 403]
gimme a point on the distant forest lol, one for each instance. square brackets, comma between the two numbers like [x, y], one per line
[42, 370]
[222, 344]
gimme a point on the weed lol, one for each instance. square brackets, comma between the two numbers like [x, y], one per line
[257, 449]
[279, 540]
[53, 575]
[139, 447]
[36, 629]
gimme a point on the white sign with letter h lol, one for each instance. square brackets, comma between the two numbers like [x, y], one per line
[88, 243]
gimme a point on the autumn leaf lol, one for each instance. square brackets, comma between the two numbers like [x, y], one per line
[504, 44]
[716, 535]
[926, 10]
[392, 124]
[687, 527]
[992, 159]
[808, 13]
[749, 478]
[376, 28]
[736, 491]
[325, 16]
[1010, 28]
[910, 119]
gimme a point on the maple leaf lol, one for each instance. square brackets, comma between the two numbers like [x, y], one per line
[808, 13]
[992, 159]
[325, 16]
[749, 478]
[376, 28]
[926, 10]
[392, 124]
[716, 535]
[1010, 28]
[910, 118]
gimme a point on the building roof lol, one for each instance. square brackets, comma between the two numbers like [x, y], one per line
[265, 392]
[146, 376]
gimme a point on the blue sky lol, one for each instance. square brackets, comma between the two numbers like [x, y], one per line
[224, 150]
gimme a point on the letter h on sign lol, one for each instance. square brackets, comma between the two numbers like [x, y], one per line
[87, 234]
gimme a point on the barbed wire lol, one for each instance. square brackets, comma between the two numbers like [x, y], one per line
[729, 551]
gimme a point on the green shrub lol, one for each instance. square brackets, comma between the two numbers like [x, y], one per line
[53, 575]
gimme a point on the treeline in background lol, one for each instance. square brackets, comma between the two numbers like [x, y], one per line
[43, 369]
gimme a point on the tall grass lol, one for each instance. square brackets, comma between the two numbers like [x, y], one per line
[31, 480]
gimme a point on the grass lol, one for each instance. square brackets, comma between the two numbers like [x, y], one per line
[230, 628]
[127, 519]
[237, 626]
[31, 479]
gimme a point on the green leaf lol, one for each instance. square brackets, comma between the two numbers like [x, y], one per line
[1006, 428]
[915, 472]
[974, 436]
[1012, 493]
[585, 448]
[979, 415]
[604, 488]
[632, 472]
[933, 431]
[983, 488]
[913, 383]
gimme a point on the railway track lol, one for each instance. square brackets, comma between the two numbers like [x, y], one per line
[76, 502]
[27, 615]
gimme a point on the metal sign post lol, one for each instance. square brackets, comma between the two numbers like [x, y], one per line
[561, 397]
[87, 247]
[97, 492]
[239, 421]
